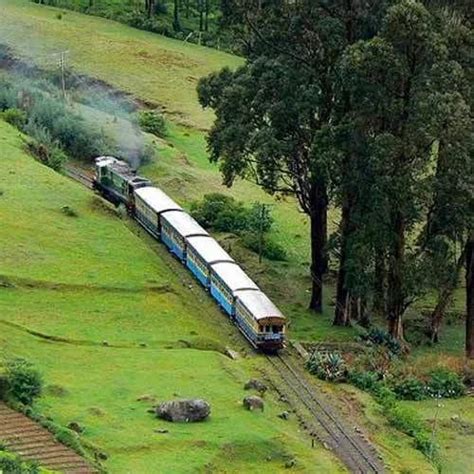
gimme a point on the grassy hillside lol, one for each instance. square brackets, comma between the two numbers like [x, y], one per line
[107, 319]
[155, 68]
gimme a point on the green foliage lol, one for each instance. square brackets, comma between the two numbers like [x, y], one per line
[12, 464]
[223, 213]
[8, 95]
[410, 389]
[329, 366]
[44, 147]
[364, 380]
[15, 117]
[68, 128]
[380, 337]
[445, 383]
[270, 249]
[152, 121]
[24, 381]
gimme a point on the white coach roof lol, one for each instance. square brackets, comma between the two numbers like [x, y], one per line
[183, 223]
[209, 249]
[233, 276]
[259, 304]
[157, 199]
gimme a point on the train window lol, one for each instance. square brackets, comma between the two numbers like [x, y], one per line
[260, 328]
[276, 329]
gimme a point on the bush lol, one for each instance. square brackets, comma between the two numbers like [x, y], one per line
[380, 337]
[69, 211]
[67, 128]
[12, 464]
[411, 389]
[327, 366]
[270, 249]
[8, 96]
[363, 380]
[445, 383]
[44, 147]
[224, 214]
[221, 213]
[15, 117]
[152, 121]
[24, 382]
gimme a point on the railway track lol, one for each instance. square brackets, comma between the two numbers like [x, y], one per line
[319, 417]
[80, 175]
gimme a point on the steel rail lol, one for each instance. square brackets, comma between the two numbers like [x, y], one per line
[344, 445]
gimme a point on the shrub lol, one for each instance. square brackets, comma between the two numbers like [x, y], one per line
[12, 464]
[327, 366]
[69, 211]
[15, 117]
[24, 382]
[221, 213]
[224, 214]
[363, 380]
[152, 121]
[411, 389]
[8, 96]
[380, 337]
[270, 249]
[445, 383]
[44, 147]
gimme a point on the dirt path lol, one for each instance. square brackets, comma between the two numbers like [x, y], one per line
[32, 442]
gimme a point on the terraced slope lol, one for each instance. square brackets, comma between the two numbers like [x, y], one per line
[32, 442]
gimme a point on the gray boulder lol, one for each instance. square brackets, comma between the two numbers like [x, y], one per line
[255, 384]
[252, 402]
[183, 410]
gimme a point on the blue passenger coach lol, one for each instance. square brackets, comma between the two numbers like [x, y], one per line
[176, 227]
[260, 320]
[150, 203]
[226, 279]
[201, 253]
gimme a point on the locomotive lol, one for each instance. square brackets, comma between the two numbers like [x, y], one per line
[260, 321]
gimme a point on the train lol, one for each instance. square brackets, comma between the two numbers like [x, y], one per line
[237, 295]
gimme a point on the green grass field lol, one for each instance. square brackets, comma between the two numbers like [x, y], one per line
[152, 67]
[67, 284]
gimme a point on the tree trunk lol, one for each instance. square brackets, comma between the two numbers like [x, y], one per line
[470, 297]
[201, 15]
[206, 23]
[176, 23]
[396, 299]
[151, 8]
[444, 299]
[379, 284]
[341, 312]
[318, 220]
